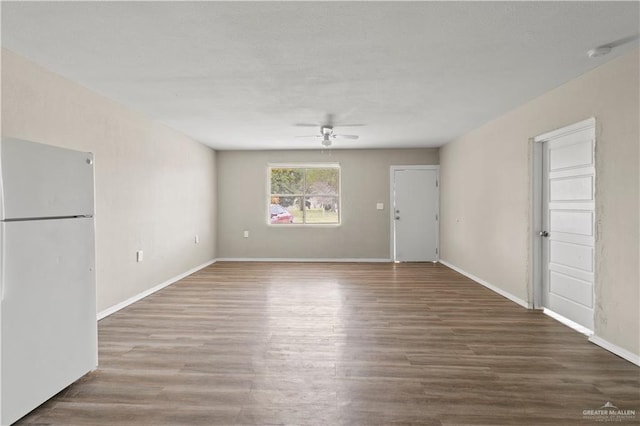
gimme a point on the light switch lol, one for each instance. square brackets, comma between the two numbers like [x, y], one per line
[196, 239]
[139, 256]
[246, 234]
[380, 206]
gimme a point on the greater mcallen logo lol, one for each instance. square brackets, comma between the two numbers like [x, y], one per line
[609, 413]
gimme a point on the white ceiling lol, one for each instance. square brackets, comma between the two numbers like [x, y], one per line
[239, 75]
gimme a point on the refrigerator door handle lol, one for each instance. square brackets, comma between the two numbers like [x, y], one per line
[1, 190]
[2, 248]
[2, 263]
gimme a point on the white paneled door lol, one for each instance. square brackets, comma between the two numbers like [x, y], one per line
[568, 223]
[415, 213]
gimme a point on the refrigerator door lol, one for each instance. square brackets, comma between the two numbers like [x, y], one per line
[44, 181]
[49, 327]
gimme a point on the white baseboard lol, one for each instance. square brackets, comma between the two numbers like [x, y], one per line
[129, 301]
[566, 321]
[301, 259]
[615, 349]
[491, 287]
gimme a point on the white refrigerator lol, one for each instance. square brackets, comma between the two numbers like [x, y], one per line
[47, 273]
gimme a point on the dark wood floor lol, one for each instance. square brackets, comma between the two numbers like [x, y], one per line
[331, 344]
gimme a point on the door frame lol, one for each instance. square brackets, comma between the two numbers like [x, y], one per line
[537, 205]
[392, 232]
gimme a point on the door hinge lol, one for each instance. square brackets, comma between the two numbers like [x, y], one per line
[436, 217]
[436, 183]
[436, 250]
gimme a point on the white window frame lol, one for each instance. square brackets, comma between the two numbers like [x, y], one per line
[271, 166]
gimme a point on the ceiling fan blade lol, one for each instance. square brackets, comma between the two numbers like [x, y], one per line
[347, 136]
[309, 136]
[622, 41]
[350, 125]
[306, 125]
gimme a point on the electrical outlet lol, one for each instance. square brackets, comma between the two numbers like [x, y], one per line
[380, 206]
[139, 256]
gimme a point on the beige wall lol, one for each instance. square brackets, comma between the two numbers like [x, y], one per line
[364, 231]
[486, 193]
[155, 188]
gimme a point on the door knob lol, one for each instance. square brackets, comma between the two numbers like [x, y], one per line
[544, 234]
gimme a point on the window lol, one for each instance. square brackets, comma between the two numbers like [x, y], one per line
[304, 194]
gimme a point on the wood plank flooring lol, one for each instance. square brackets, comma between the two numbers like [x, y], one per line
[339, 344]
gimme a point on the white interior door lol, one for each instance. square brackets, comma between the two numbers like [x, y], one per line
[415, 214]
[568, 224]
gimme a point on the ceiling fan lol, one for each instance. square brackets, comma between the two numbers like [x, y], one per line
[326, 131]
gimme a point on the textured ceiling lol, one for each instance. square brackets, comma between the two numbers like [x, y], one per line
[239, 75]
